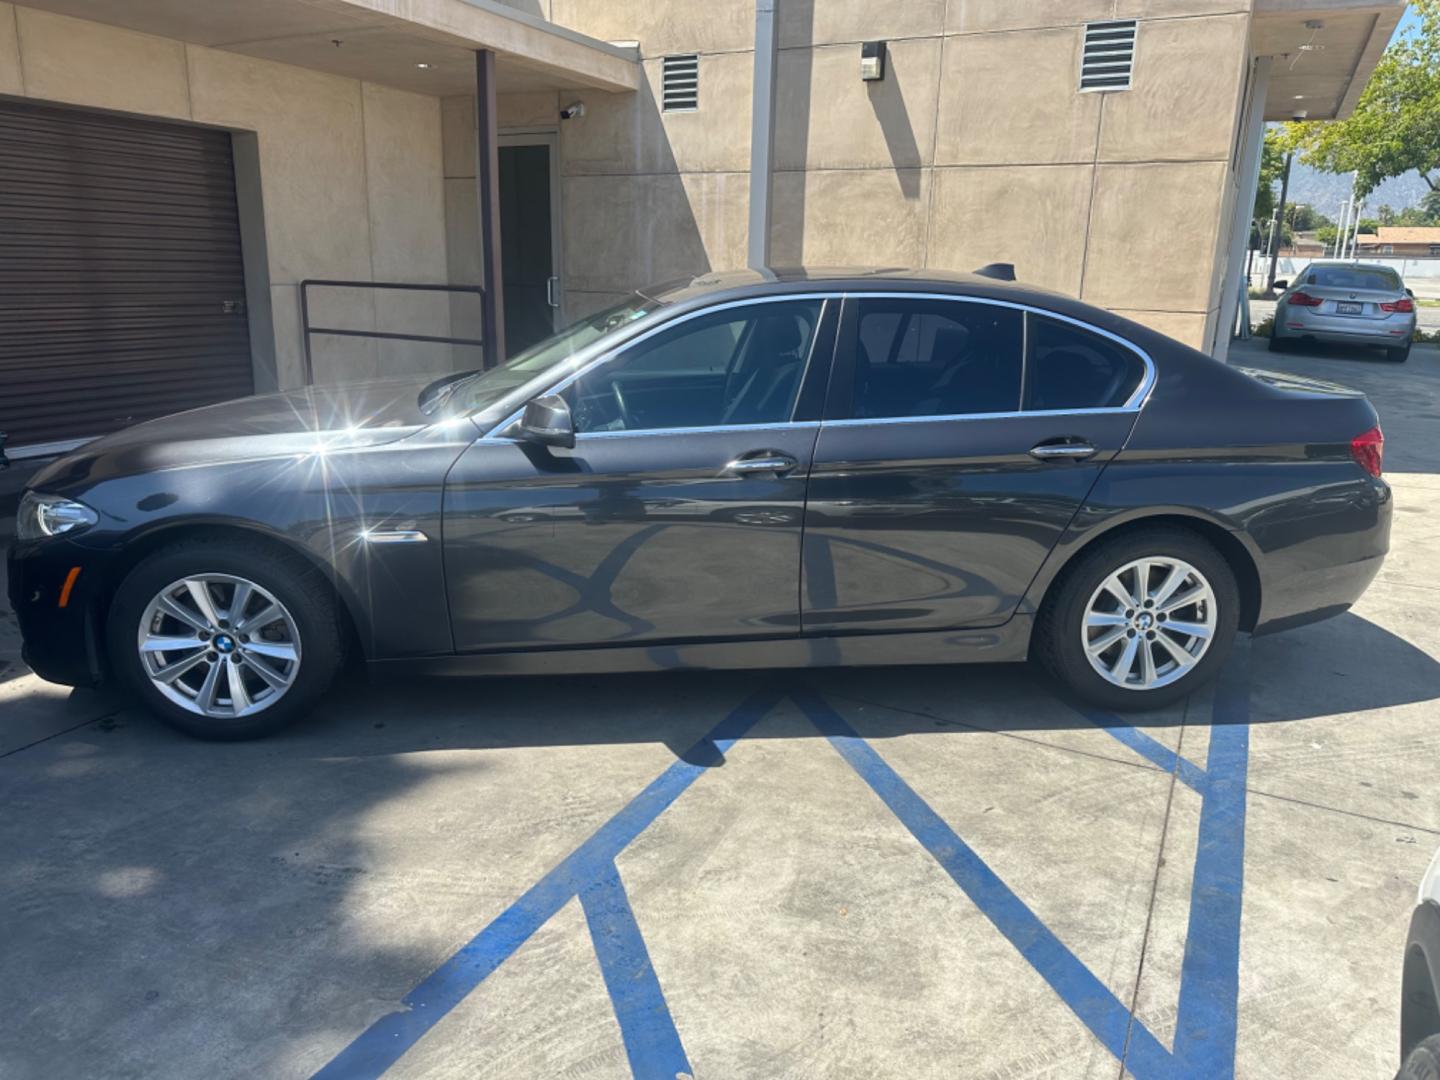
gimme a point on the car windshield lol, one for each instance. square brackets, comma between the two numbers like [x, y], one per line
[1353, 277]
[484, 388]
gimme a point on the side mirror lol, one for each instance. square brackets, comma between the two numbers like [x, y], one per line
[1282, 285]
[547, 421]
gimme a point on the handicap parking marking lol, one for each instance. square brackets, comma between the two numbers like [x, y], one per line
[1205, 1031]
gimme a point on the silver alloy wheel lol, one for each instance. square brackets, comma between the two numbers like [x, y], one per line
[219, 646]
[1149, 623]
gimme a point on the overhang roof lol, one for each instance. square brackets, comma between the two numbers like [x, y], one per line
[383, 41]
[1324, 52]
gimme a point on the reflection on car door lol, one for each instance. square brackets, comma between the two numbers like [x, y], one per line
[676, 517]
[948, 466]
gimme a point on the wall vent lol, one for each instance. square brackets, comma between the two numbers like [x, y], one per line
[680, 83]
[1109, 55]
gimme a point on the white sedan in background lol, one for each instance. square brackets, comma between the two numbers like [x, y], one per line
[1346, 303]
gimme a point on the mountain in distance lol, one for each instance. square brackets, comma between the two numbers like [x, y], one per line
[1326, 191]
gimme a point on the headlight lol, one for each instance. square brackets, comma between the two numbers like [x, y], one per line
[50, 515]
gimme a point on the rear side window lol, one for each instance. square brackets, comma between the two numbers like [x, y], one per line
[1071, 368]
[935, 358]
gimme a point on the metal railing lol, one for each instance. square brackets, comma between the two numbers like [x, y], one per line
[309, 331]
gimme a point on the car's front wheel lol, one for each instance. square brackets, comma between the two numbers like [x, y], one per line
[225, 638]
[1140, 621]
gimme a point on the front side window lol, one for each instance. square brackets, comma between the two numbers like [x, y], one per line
[740, 365]
[935, 358]
[1072, 368]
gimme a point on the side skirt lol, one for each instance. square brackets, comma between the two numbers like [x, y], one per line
[997, 644]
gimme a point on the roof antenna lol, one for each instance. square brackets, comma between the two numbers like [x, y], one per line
[998, 271]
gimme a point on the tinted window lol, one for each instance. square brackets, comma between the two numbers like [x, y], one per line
[1071, 368]
[738, 366]
[1353, 277]
[935, 358]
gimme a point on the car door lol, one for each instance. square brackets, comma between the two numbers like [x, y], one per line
[960, 438]
[677, 515]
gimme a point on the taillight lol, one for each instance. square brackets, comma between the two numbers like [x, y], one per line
[1403, 304]
[1301, 299]
[1368, 450]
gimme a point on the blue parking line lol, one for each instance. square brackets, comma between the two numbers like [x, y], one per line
[1205, 1028]
[1086, 996]
[384, 1042]
[1150, 748]
[651, 1041]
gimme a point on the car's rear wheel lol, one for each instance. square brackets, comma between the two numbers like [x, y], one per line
[225, 639]
[1277, 343]
[1140, 621]
[1398, 355]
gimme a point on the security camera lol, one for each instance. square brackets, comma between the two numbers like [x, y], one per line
[1299, 114]
[573, 111]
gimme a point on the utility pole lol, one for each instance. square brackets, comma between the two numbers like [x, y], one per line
[1280, 217]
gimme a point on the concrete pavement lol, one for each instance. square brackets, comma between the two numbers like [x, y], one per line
[888, 872]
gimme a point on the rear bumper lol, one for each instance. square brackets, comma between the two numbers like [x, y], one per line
[1324, 573]
[59, 630]
[1390, 332]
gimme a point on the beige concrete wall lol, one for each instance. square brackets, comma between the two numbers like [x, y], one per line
[351, 172]
[976, 147]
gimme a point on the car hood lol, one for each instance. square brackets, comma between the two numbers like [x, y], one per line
[309, 420]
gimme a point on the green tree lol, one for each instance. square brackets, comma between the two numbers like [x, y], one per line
[1305, 218]
[1396, 123]
[1272, 164]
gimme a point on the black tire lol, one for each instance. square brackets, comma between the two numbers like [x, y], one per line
[1057, 641]
[1277, 343]
[1398, 355]
[1423, 1062]
[298, 586]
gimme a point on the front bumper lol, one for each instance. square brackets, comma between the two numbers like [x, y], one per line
[60, 628]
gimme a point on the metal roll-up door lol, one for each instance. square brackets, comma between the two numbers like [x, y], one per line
[122, 288]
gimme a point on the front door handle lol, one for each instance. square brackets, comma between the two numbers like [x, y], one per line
[1071, 451]
[768, 462]
[550, 291]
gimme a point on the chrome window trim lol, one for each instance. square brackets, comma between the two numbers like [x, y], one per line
[1133, 404]
[784, 425]
[614, 353]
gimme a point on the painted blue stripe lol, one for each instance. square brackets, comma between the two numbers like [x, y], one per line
[1085, 995]
[1150, 748]
[381, 1044]
[651, 1041]
[1210, 972]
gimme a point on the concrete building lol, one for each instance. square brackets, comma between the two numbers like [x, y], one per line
[171, 171]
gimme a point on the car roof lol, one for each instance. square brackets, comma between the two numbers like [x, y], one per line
[789, 279]
[1351, 264]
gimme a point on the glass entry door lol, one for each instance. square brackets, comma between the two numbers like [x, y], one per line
[529, 239]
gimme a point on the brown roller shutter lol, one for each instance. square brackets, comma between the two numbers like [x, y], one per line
[122, 287]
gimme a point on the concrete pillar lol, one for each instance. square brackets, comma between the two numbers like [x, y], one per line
[1248, 182]
[487, 185]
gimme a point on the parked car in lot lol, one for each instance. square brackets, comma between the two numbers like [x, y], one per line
[1420, 986]
[1346, 303]
[744, 470]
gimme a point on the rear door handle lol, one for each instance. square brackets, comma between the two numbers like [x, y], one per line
[767, 462]
[1053, 451]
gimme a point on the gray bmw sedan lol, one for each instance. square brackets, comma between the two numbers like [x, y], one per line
[744, 470]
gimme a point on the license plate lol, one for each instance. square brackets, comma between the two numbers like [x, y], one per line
[1343, 308]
